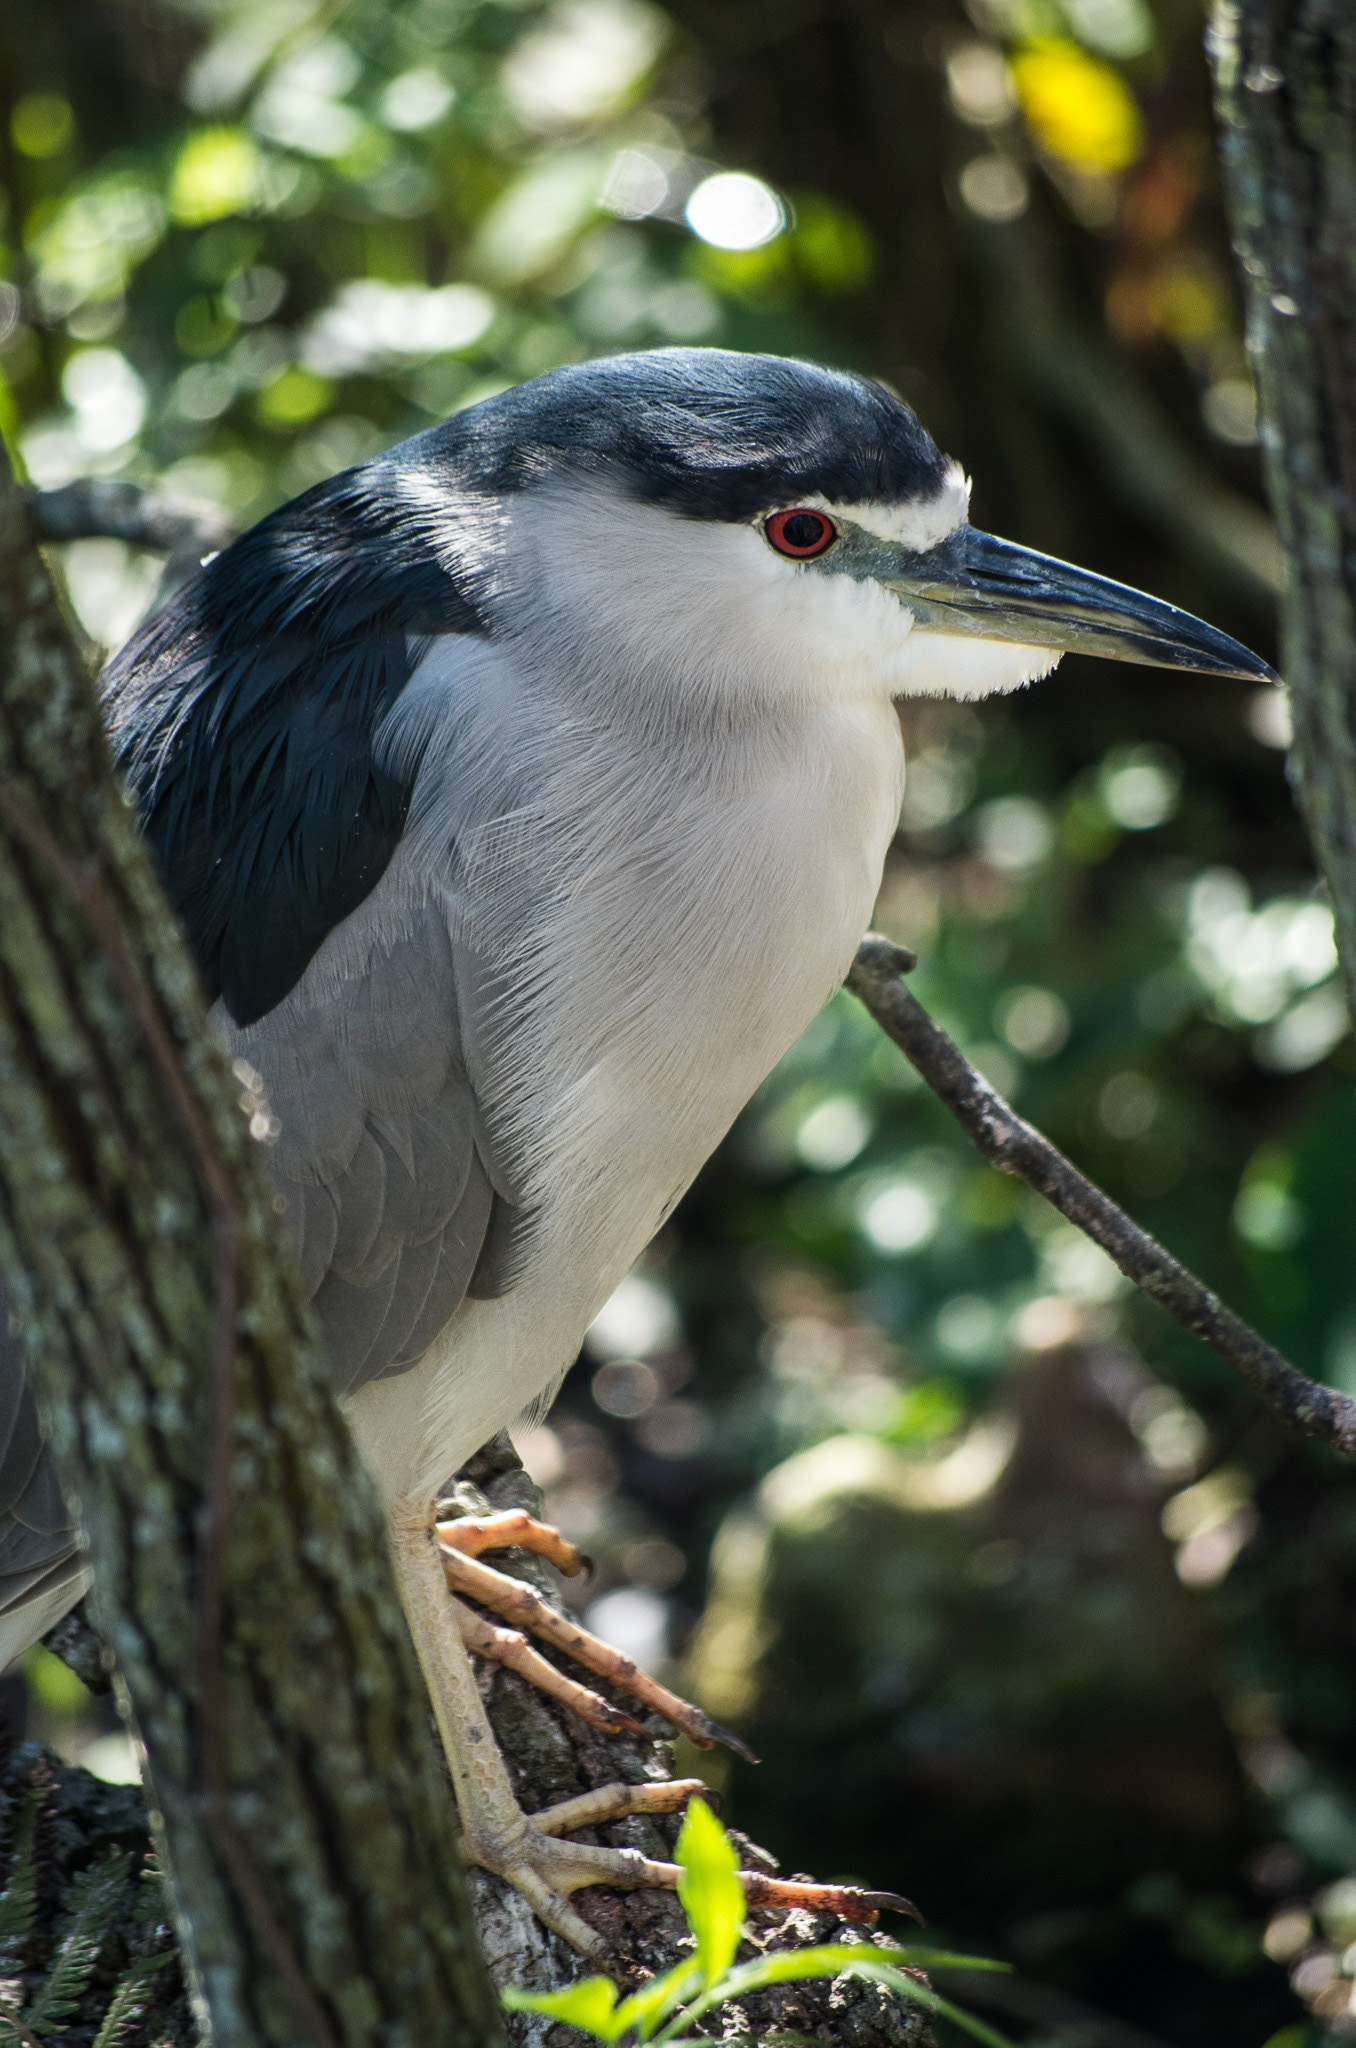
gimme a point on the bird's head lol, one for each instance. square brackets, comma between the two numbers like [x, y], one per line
[767, 525]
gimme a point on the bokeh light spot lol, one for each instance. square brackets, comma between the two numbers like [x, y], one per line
[1079, 108]
[833, 1134]
[899, 1217]
[219, 171]
[731, 210]
[1034, 1021]
[42, 124]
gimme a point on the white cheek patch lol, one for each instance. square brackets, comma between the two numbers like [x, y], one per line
[916, 527]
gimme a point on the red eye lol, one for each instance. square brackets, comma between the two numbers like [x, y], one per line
[801, 532]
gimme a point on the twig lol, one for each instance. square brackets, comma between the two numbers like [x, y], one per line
[103, 508]
[1014, 1147]
[86, 889]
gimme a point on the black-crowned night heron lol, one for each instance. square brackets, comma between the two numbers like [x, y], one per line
[524, 793]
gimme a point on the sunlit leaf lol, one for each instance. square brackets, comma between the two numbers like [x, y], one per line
[647, 2008]
[53, 1685]
[830, 1958]
[712, 1896]
[923, 1994]
[1081, 109]
[539, 214]
[219, 171]
[589, 2005]
[94, 239]
[42, 124]
[886, 1966]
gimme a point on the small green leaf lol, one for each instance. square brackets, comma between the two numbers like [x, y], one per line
[712, 1896]
[830, 1958]
[841, 1959]
[923, 1994]
[589, 2005]
[646, 2008]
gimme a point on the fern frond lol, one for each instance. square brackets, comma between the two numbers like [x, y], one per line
[130, 2000]
[94, 1898]
[152, 1907]
[19, 1900]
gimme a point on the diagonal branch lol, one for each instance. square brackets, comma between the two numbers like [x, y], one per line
[1014, 1147]
[109, 508]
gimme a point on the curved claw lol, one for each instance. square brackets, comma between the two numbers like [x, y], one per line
[848, 1901]
[706, 1733]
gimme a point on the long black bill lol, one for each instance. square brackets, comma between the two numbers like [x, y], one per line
[994, 590]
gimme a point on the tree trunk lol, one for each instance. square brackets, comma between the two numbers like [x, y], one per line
[1285, 73]
[239, 1562]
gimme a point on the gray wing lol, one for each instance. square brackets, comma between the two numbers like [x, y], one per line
[383, 1167]
[381, 1158]
[41, 1564]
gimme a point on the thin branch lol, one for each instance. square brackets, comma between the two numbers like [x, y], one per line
[1014, 1147]
[105, 509]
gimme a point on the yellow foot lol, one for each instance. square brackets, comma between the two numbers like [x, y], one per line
[462, 1541]
[546, 1870]
[526, 1849]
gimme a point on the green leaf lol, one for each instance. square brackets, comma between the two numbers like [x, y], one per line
[831, 1958]
[589, 2005]
[712, 1896]
[130, 2001]
[840, 1959]
[646, 2008]
[923, 1994]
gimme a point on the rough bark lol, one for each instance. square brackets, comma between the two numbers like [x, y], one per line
[1285, 74]
[240, 1572]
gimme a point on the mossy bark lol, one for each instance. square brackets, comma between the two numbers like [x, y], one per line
[240, 1577]
[1285, 73]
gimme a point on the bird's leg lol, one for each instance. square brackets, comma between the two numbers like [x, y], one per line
[526, 1849]
[463, 1539]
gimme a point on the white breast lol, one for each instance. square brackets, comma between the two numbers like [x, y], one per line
[690, 959]
[675, 931]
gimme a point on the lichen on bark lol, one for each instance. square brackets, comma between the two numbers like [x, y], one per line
[1285, 74]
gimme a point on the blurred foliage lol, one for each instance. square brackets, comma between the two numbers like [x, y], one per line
[247, 242]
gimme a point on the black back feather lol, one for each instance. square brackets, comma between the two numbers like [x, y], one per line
[242, 717]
